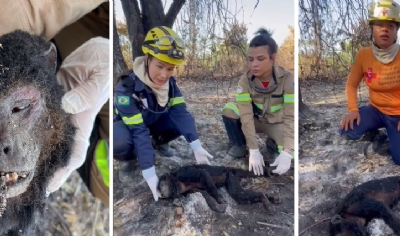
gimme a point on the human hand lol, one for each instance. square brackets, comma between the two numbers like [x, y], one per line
[200, 153]
[348, 120]
[87, 82]
[153, 182]
[282, 162]
[256, 162]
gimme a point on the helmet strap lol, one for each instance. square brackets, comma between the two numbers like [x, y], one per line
[146, 67]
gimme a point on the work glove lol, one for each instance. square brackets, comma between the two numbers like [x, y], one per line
[256, 162]
[200, 153]
[85, 75]
[282, 162]
[152, 180]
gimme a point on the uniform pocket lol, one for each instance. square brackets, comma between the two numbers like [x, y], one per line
[274, 108]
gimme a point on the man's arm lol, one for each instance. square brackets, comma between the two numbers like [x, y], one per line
[355, 77]
[288, 113]
[245, 106]
[43, 17]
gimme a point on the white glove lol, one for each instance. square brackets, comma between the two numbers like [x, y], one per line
[200, 153]
[85, 75]
[283, 162]
[152, 180]
[256, 162]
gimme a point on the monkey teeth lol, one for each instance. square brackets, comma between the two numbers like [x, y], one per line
[12, 177]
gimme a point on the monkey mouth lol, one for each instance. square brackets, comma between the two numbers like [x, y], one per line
[12, 178]
[16, 182]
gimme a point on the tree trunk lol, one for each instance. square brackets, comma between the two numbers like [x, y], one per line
[118, 60]
[152, 15]
[302, 106]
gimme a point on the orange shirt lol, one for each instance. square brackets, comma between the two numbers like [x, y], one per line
[383, 81]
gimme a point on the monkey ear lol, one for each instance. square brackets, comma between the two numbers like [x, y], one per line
[51, 55]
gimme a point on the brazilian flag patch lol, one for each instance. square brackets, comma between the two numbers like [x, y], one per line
[123, 100]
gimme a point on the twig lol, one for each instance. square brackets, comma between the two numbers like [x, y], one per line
[98, 205]
[272, 225]
[317, 223]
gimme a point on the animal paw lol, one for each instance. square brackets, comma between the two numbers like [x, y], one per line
[220, 200]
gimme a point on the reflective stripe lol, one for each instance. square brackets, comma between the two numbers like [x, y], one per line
[116, 111]
[259, 105]
[243, 97]
[288, 98]
[176, 100]
[276, 108]
[133, 120]
[280, 148]
[233, 107]
[102, 163]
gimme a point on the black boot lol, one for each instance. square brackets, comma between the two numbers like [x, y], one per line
[379, 145]
[126, 166]
[272, 148]
[161, 143]
[236, 137]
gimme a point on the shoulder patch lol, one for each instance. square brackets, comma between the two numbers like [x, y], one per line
[123, 100]
[239, 89]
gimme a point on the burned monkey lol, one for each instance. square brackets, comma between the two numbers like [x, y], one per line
[373, 199]
[206, 179]
[35, 134]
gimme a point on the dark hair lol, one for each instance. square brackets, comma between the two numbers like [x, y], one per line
[264, 38]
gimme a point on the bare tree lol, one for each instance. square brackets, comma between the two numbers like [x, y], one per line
[331, 33]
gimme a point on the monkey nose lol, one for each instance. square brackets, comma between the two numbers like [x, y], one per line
[5, 147]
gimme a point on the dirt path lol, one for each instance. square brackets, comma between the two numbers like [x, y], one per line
[135, 212]
[329, 167]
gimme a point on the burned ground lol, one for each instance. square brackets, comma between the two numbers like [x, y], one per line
[72, 210]
[136, 213]
[329, 167]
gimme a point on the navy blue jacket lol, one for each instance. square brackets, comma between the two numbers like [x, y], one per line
[138, 119]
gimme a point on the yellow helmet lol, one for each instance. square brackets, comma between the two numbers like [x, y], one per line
[164, 44]
[384, 10]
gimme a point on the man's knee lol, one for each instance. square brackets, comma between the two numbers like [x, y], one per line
[350, 134]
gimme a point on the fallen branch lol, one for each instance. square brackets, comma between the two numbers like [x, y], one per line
[272, 225]
[317, 223]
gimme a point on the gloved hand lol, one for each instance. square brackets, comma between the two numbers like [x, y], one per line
[256, 162]
[283, 162]
[200, 153]
[152, 180]
[85, 75]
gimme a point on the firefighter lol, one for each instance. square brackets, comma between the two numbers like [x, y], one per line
[264, 104]
[150, 110]
[379, 66]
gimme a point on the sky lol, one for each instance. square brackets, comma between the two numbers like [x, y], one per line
[271, 14]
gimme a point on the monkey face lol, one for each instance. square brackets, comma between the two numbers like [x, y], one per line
[21, 123]
[344, 227]
[165, 186]
[170, 187]
[29, 99]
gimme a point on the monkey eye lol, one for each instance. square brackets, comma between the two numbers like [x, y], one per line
[20, 108]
